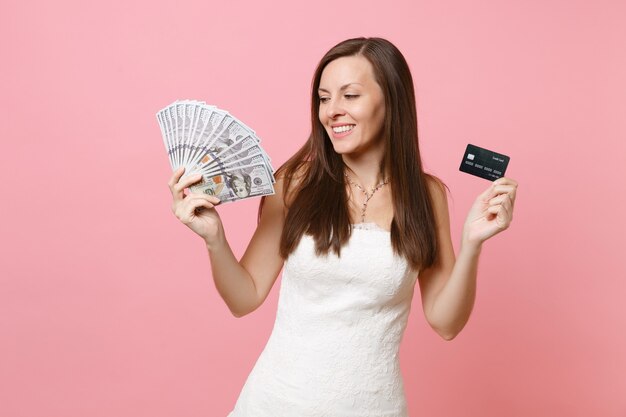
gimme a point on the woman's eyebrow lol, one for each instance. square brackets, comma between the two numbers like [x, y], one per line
[343, 87]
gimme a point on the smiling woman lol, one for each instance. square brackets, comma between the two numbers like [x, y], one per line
[347, 286]
[364, 125]
[352, 107]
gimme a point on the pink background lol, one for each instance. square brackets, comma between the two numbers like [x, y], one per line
[107, 306]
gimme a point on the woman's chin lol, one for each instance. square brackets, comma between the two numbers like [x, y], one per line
[342, 148]
[350, 151]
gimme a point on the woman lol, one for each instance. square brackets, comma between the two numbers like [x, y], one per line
[356, 222]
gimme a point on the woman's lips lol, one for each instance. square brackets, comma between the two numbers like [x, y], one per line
[340, 131]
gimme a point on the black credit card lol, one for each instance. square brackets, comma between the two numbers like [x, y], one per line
[484, 163]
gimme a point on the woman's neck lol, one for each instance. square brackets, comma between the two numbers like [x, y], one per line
[364, 171]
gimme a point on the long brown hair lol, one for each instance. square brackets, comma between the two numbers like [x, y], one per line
[318, 203]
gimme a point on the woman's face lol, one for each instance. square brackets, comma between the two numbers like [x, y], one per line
[352, 106]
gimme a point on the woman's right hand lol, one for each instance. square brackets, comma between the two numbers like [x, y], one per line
[195, 210]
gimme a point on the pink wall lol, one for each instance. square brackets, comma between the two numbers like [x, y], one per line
[107, 307]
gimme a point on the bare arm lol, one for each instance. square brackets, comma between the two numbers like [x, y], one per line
[245, 284]
[448, 288]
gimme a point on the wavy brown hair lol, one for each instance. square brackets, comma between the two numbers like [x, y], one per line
[317, 201]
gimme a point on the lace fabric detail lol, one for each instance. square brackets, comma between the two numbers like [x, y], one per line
[334, 348]
[368, 226]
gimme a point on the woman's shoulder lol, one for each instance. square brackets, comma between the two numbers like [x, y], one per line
[436, 187]
[438, 191]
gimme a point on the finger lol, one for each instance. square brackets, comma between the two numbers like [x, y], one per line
[211, 198]
[180, 205]
[176, 176]
[505, 215]
[498, 199]
[501, 200]
[201, 201]
[505, 181]
[490, 192]
[501, 214]
[191, 209]
[497, 190]
[507, 198]
[510, 193]
[185, 182]
[176, 194]
[507, 203]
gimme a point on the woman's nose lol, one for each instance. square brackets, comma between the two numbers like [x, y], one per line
[334, 109]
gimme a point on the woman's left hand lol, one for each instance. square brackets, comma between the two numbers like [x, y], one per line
[491, 213]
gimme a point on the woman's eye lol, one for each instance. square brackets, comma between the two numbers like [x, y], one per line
[324, 99]
[351, 96]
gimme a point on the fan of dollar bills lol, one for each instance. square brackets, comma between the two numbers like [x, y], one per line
[212, 142]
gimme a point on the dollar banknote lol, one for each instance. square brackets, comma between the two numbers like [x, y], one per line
[237, 183]
[210, 141]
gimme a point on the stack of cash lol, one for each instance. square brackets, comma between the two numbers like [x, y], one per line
[212, 142]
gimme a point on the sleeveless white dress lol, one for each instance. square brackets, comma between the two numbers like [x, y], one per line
[333, 351]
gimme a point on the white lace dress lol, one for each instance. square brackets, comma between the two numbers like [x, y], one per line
[333, 351]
